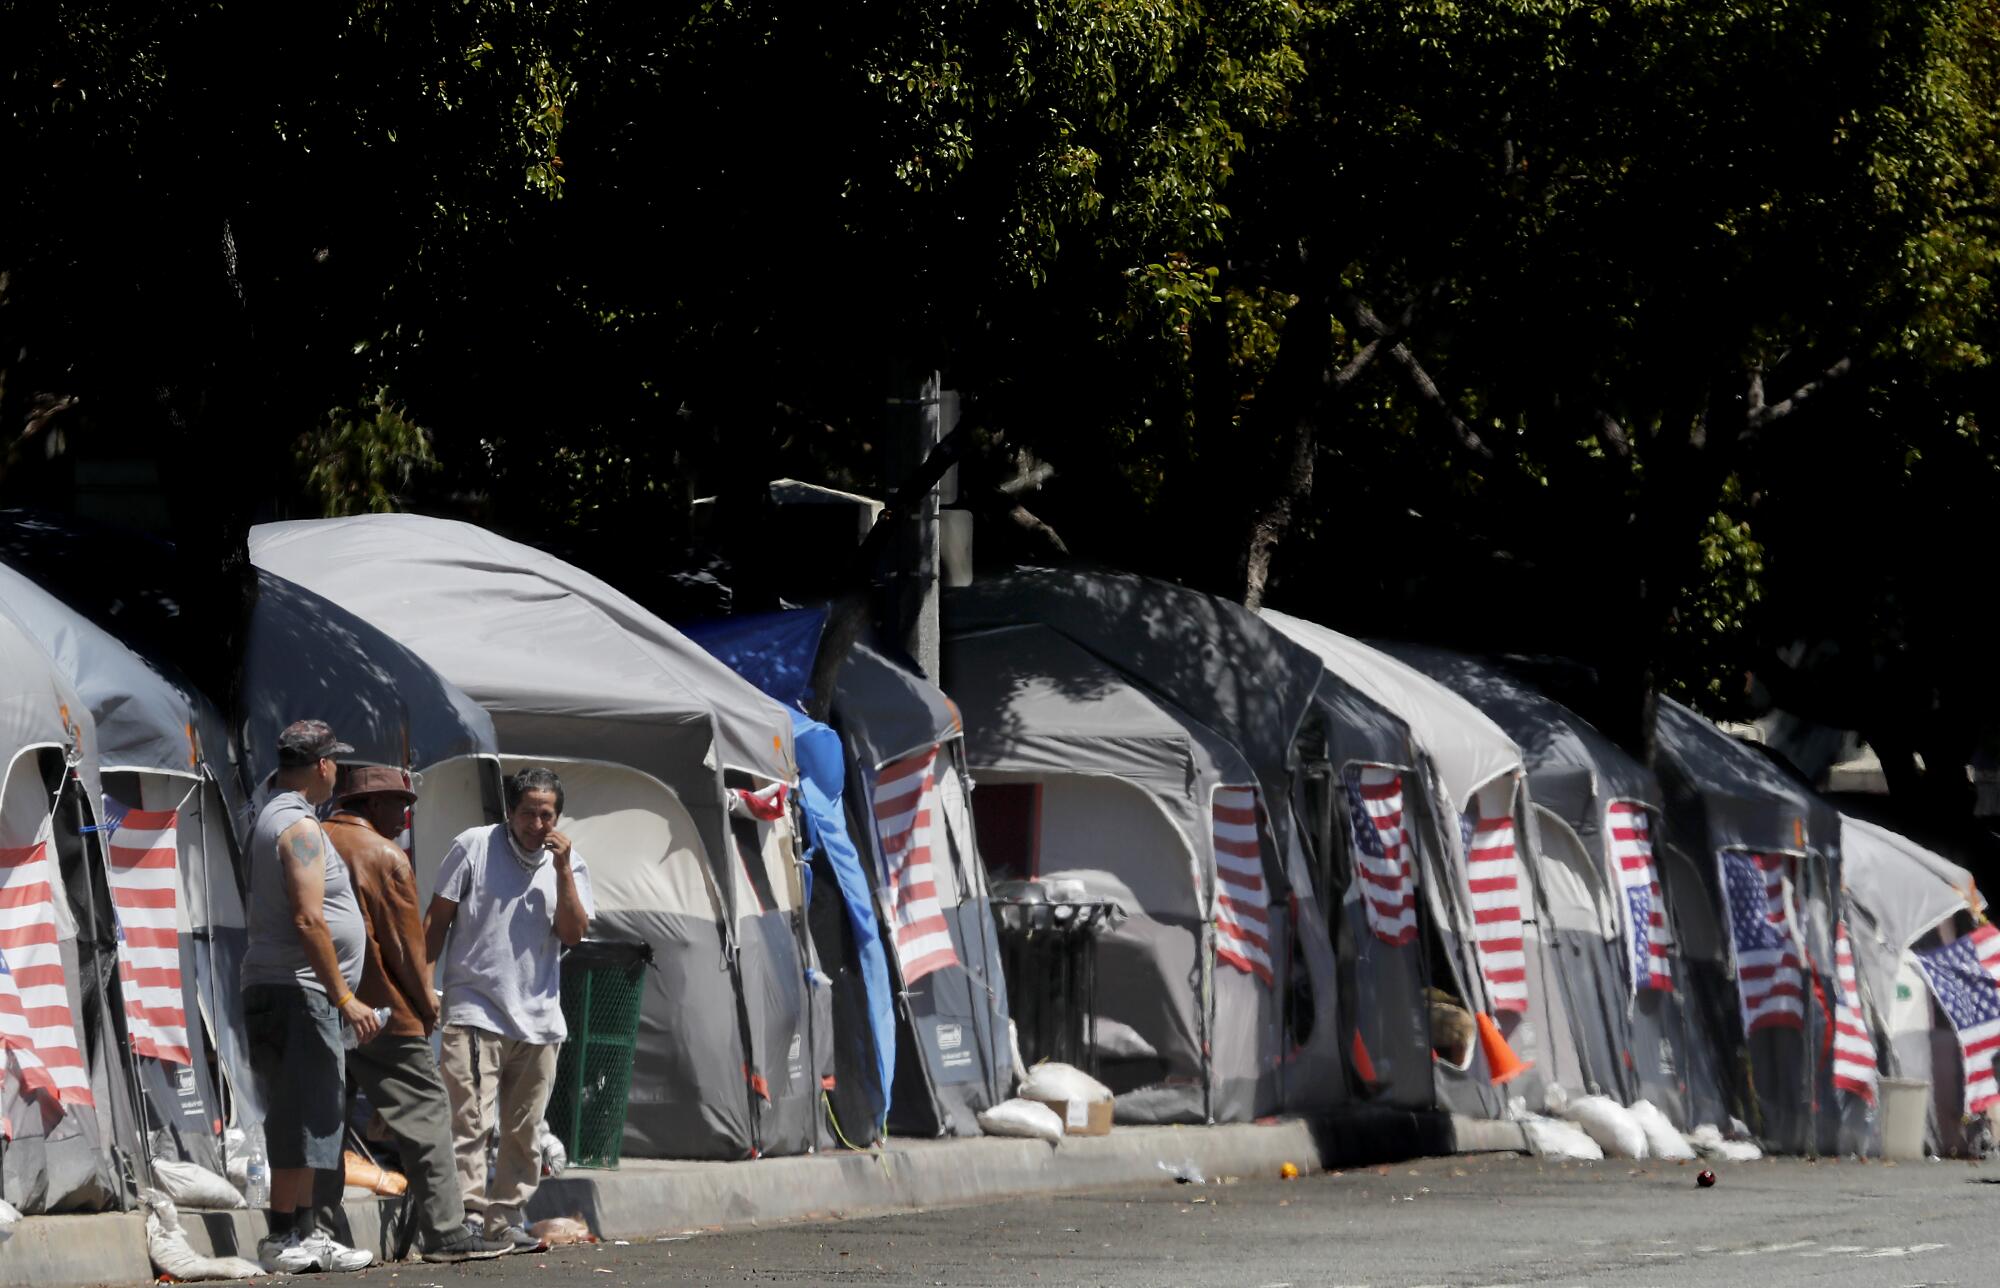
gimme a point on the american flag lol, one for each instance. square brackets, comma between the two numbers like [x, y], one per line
[1242, 903]
[1770, 979]
[1853, 1046]
[1375, 804]
[145, 894]
[1965, 976]
[1493, 874]
[34, 1004]
[1630, 830]
[905, 805]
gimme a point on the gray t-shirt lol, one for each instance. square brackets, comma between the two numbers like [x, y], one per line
[502, 962]
[275, 954]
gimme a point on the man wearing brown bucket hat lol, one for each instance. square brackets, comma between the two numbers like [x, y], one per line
[396, 1070]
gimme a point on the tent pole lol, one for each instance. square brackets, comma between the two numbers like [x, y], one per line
[968, 871]
[121, 1042]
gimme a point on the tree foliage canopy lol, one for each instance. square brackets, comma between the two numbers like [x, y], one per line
[1654, 333]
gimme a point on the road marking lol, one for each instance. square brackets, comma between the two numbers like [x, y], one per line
[1772, 1247]
[1912, 1250]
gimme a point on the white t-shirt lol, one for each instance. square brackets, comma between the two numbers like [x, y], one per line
[502, 962]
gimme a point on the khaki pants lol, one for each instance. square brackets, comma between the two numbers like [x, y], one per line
[484, 1072]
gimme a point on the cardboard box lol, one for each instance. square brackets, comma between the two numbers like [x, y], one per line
[1081, 1117]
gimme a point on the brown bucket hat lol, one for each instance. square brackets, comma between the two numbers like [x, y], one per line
[369, 780]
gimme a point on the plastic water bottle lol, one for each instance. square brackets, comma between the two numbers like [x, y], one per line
[347, 1030]
[257, 1172]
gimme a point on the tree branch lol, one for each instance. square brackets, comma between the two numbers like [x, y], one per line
[1614, 434]
[1759, 414]
[1419, 379]
[1038, 528]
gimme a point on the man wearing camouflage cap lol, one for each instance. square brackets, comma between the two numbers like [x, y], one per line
[300, 969]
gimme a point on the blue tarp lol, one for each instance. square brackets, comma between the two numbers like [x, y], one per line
[822, 775]
[775, 652]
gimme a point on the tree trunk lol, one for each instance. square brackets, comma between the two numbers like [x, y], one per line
[1284, 416]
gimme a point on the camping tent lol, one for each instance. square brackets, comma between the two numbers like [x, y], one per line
[1293, 724]
[1903, 898]
[654, 739]
[155, 739]
[1596, 811]
[1085, 778]
[65, 1094]
[900, 729]
[954, 1010]
[1752, 870]
[1491, 895]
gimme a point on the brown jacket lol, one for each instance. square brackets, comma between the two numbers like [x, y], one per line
[395, 973]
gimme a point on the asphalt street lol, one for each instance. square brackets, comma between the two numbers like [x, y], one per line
[1458, 1221]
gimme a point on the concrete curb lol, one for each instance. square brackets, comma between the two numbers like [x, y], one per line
[646, 1197]
[649, 1197]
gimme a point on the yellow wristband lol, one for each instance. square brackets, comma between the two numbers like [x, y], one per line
[345, 998]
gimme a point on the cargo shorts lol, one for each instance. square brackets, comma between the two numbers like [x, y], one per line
[301, 1070]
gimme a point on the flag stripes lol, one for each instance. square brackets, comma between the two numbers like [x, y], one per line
[1853, 1046]
[1381, 851]
[905, 804]
[1964, 975]
[1770, 977]
[145, 890]
[35, 1014]
[1629, 831]
[1242, 900]
[1493, 875]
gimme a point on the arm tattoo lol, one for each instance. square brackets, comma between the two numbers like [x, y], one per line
[305, 848]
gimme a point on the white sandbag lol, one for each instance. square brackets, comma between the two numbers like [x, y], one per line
[167, 1244]
[194, 1186]
[1709, 1142]
[1661, 1137]
[1052, 1081]
[1610, 1124]
[10, 1216]
[1022, 1118]
[1554, 1138]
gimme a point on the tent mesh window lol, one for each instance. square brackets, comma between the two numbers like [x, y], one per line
[602, 985]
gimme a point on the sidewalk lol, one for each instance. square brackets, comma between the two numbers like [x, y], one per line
[648, 1197]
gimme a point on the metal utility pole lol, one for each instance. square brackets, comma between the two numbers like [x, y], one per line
[919, 411]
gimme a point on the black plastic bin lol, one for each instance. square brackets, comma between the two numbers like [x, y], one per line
[602, 984]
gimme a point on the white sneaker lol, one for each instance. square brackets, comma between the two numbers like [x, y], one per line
[282, 1254]
[331, 1256]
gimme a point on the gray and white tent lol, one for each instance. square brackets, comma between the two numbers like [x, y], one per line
[1515, 931]
[64, 1088]
[1631, 1024]
[1083, 776]
[1495, 918]
[306, 656]
[954, 1012]
[1728, 805]
[1267, 706]
[652, 737]
[1901, 898]
[156, 737]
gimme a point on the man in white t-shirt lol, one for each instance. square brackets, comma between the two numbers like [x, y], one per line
[509, 898]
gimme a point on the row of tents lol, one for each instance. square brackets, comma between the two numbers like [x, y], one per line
[1320, 852]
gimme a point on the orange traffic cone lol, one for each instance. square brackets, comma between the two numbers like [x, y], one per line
[1500, 1057]
[1364, 1068]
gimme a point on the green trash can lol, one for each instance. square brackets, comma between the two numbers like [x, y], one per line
[602, 983]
